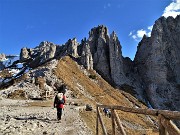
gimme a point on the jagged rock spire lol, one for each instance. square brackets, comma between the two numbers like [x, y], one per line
[116, 60]
[98, 41]
[86, 56]
[72, 46]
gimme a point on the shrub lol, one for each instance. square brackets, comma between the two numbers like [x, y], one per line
[92, 76]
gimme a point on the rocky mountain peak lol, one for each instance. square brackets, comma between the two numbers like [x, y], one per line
[72, 47]
[153, 76]
[100, 31]
[37, 56]
[2, 56]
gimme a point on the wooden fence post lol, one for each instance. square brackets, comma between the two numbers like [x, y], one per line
[170, 126]
[46, 95]
[118, 121]
[101, 122]
[161, 127]
[113, 123]
[97, 121]
[166, 126]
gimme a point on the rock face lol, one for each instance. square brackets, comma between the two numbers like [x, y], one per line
[2, 57]
[158, 62]
[153, 76]
[116, 60]
[44, 52]
[24, 54]
[99, 45]
[72, 47]
[86, 56]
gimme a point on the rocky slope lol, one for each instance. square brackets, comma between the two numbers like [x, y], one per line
[153, 77]
[83, 87]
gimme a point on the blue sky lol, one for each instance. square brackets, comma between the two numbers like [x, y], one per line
[25, 23]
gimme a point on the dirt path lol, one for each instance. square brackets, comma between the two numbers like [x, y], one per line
[17, 118]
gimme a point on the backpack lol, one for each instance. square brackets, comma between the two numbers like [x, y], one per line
[60, 98]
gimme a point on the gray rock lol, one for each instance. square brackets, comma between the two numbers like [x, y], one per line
[37, 56]
[1, 65]
[72, 47]
[99, 43]
[2, 56]
[86, 56]
[24, 54]
[116, 60]
[47, 51]
[158, 62]
[89, 107]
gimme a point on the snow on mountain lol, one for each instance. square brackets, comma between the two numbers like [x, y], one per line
[9, 60]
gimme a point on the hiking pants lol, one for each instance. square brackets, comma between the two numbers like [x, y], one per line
[59, 113]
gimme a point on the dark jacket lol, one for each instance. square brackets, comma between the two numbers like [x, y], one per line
[56, 104]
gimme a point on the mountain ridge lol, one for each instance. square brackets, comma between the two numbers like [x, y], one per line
[102, 52]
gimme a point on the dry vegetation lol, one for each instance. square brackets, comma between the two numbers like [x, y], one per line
[92, 90]
[5, 73]
[17, 94]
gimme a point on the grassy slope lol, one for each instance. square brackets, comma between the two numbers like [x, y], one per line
[101, 92]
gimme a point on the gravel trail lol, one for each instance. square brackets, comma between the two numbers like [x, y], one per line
[16, 118]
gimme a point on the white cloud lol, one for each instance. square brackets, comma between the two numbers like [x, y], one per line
[137, 35]
[149, 34]
[140, 33]
[130, 33]
[173, 9]
[134, 37]
[150, 27]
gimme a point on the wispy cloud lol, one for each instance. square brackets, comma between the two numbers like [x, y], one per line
[28, 27]
[108, 5]
[137, 35]
[130, 33]
[173, 9]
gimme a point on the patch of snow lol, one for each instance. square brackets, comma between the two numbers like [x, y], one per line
[6, 80]
[27, 70]
[149, 105]
[20, 65]
[9, 61]
[14, 71]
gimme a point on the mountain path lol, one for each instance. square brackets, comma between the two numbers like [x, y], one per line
[18, 118]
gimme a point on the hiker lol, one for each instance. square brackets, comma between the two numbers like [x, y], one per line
[107, 112]
[60, 88]
[59, 102]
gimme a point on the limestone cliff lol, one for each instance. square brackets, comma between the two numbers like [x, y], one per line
[86, 56]
[158, 62]
[99, 41]
[116, 60]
